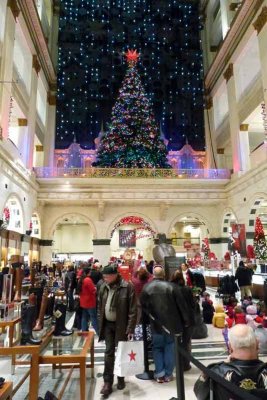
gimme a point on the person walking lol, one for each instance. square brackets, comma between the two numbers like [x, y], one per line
[117, 314]
[139, 279]
[163, 302]
[244, 276]
[187, 293]
[87, 292]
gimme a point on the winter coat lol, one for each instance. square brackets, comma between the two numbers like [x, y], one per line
[243, 276]
[126, 309]
[88, 294]
[252, 373]
[218, 319]
[164, 303]
[200, 330]
[208, 311]
[240, 318]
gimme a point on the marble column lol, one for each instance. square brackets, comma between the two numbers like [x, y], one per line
[244, 147]
[49, 141]
[260, 26]
[101, 250]
[22, 134]
[53, 39]
[225, 16]
[46, 251]
[6, 69]
[211, 151]
[233, 118]
[32, 111]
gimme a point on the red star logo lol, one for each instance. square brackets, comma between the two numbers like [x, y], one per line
[132, 356]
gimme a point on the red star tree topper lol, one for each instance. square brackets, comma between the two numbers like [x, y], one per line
[132, 57]
[132, 356]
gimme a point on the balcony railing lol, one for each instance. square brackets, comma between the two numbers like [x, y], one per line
[47, 172]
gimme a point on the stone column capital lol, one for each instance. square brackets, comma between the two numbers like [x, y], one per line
[13, 5]
[261, 20]
[229, 72]
[208, 102]
[35, 64]
[244, 127]
[51, 99]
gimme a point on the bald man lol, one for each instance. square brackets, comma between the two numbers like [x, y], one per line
[164, 303]
[242, 368]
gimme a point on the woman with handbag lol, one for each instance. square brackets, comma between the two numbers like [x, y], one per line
[87, 292]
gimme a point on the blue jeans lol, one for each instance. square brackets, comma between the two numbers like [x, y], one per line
[87, 315]
[163, 354]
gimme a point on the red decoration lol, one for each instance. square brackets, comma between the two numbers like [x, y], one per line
[250, 251]
[132, 56]
[6, 214]
[227, 256]
[133, 220]
[132, 356]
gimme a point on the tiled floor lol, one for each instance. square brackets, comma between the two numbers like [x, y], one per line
[206, 350]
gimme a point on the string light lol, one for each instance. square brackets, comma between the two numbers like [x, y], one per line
[93, 35]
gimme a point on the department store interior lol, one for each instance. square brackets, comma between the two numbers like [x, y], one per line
[203, 65]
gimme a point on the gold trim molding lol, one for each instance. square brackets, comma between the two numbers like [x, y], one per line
[244, 127]
[229, 72]
[39, 148]
[261, 20]
[35, 64]
[22, 122]
[208, 103]
[51, 99]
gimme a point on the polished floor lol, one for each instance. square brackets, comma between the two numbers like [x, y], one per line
[207, 350]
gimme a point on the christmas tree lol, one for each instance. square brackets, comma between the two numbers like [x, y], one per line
[259, 241]
[133, 138]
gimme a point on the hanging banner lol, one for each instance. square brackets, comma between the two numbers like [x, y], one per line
[127, 238]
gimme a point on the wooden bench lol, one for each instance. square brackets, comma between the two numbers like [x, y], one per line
[6, 391]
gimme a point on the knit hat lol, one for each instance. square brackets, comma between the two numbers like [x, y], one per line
[252, 310]
[110, 269]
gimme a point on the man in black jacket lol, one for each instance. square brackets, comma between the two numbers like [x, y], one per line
[243, 368]
[243, 276]
[163, 302]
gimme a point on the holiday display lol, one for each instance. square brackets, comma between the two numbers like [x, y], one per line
[92, 38]
[133, 220]
[205, 248]
[133, 138]
[260, 246]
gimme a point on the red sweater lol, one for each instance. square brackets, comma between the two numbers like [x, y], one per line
[240, 318]
[88, 294]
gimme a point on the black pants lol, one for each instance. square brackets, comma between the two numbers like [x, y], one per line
[109, 332]
[187, 334]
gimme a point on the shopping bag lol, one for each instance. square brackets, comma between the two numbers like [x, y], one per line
[129, 358]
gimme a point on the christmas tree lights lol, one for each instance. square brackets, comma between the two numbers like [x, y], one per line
[133, 139]
[260, 246]
[93, 37]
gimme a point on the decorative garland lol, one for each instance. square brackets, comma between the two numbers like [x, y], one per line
[133, 220]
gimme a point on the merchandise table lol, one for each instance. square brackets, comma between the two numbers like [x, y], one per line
[70, 352]
[6, 391]
[10, 323]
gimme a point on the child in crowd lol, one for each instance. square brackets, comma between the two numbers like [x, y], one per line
[239, 315]
[252, 318]
[218, 319]
[246, 302]
[208, 309]
[230, 320]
